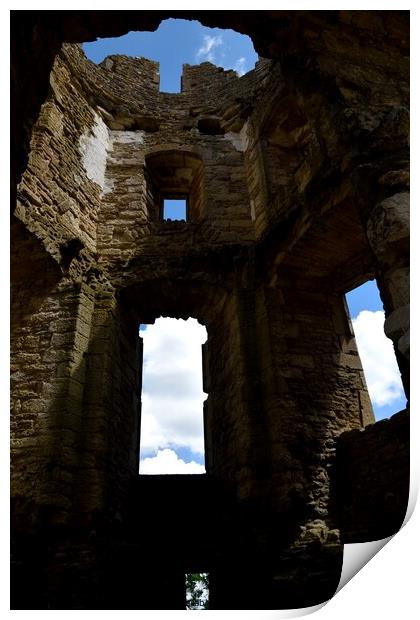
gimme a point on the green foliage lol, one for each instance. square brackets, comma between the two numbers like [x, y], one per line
[197, 588]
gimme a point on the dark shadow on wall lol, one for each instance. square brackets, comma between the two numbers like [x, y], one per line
[372, 479]
[29, 286]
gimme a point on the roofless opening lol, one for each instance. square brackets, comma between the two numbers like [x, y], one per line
[376, 352]
[177, 42]
[172, 428]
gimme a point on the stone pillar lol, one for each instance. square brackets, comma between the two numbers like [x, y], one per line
[388, 232]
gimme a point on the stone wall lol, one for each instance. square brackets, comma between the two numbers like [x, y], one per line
[65, 173]
[372, 476]
[291, 171]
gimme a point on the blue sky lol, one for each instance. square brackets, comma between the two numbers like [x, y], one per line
[174, 210]
[173, 441]
[178, 42]
[365, 297]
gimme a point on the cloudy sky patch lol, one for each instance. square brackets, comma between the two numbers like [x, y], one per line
[240, 66]
[172, 394]
[167, 462]
[207, 50]
[223, 49]
[378, 358]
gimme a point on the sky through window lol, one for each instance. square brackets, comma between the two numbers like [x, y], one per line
[175, 209]
[376, 351]
[172, 435]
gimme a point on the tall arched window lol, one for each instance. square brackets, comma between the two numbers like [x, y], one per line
[172, 425]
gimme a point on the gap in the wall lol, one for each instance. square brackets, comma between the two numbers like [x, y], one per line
[174, 209]
[376, 351]
[172, 425]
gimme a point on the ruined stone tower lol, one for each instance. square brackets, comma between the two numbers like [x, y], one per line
[296, 177]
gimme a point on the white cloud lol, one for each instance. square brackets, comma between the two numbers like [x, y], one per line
[172, 395]
[378, 358]
[206, 51]
[240, 66]
[228, 50]
[167, 462]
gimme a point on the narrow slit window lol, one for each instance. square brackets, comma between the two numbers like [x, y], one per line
[376, 352]
[172, 424]
[174, 209]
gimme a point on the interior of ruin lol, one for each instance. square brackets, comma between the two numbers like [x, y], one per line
[296, 177]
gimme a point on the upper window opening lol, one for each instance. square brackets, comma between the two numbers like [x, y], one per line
[376, 352]
[174, 209]
[175, 185]
[177, 42]
[172, 425]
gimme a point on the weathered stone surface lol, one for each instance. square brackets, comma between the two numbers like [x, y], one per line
[280, 225]
[389, 224]
[404, 344]
[397, 323]
[388, 231]
[397, 327]
[398, 284]
[372, 478]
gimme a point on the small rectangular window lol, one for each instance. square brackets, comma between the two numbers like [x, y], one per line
[174, 209]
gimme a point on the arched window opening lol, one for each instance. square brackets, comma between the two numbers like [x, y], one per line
[172, 426]
[376, 351]
[175, 185]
